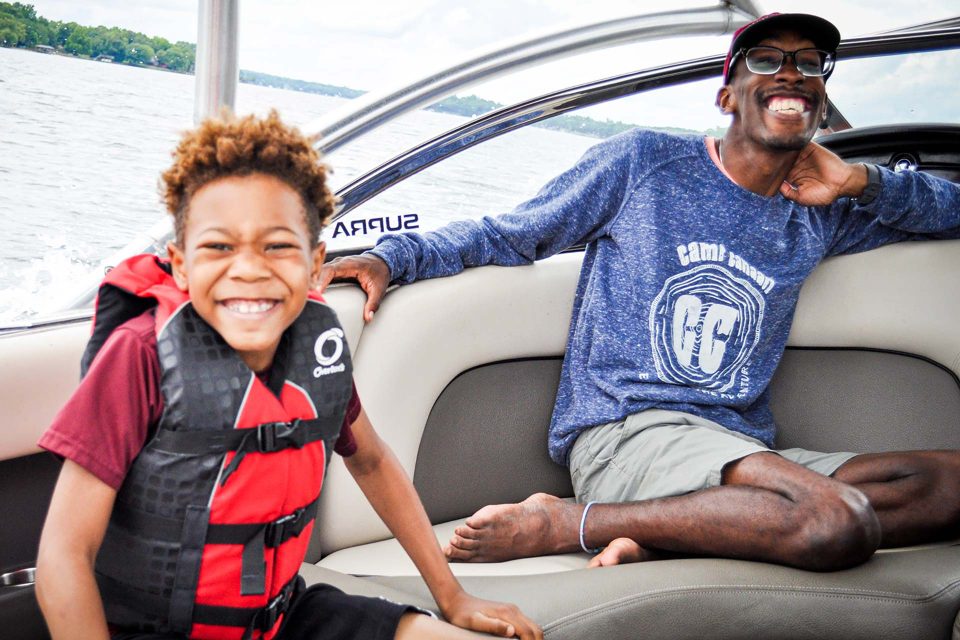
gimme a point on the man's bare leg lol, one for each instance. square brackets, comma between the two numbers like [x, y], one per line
[914, 493]
[768, 509]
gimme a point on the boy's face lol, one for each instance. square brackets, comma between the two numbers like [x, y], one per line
[246, 262]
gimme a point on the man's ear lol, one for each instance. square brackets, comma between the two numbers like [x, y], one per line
[319, 255]
[726, 101]
[178, 264]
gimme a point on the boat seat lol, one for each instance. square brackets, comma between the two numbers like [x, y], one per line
[899, 593]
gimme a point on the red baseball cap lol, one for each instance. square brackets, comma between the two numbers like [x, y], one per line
[821, 32]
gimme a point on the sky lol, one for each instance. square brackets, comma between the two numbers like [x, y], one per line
[377, 44]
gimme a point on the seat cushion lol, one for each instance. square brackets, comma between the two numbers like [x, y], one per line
[903, 595]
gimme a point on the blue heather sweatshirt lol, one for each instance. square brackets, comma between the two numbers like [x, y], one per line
[689, 281]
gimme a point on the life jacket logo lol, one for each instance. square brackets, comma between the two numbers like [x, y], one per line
[327, 350]
[704, 324]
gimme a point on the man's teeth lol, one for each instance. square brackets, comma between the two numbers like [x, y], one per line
[786, 105]
[249, 306]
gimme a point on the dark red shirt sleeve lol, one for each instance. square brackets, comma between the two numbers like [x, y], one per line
[105, 423]
[346, 444]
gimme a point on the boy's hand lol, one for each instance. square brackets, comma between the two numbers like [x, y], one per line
[370, 271]
[819, 177]
[497, 618]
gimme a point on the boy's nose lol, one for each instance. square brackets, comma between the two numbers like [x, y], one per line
[248, 265]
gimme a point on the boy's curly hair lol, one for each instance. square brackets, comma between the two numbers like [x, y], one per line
[231, 146]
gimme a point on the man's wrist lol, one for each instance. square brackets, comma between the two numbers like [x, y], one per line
[871, 185]
[385, 256]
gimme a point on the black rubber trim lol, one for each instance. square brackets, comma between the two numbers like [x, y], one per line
[953, 375]
[893, 352]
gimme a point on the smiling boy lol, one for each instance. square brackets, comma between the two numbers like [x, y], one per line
[197, 442]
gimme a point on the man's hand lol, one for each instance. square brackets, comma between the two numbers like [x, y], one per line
[485, 616]
[370, 271]
[819, 177]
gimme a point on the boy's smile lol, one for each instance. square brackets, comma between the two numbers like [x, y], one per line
[247, 261]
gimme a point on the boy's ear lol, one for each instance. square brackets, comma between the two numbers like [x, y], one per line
[178, 263]
[319, 255]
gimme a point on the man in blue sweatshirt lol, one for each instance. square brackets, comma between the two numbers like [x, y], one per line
[696, 252]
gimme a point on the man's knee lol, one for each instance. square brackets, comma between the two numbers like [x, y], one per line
[834, 529]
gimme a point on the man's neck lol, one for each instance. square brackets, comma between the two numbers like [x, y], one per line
[754, 167]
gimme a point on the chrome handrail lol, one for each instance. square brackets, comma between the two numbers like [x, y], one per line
[336, 128]
[217, 70]
[506, 119]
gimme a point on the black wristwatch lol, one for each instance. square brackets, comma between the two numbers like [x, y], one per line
[872, 190]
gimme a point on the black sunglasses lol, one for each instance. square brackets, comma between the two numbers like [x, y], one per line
[766, 60]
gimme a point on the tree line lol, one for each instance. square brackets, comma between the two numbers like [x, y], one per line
[20, 26]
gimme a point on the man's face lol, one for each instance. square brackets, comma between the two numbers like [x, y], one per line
[247, 262]
[780, 111]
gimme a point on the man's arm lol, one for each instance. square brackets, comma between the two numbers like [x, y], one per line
[387, 487]
[574, 208]
[76, 523]
[908, 205]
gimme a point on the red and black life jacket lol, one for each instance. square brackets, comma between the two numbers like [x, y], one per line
[214, 517]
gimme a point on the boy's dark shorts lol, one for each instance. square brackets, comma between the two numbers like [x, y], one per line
[323, 612]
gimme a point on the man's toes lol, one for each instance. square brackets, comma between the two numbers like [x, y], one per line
[466, 544]
[467, 532]
[458, 555]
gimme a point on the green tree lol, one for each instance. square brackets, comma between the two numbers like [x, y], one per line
[176, 58]
[61, 31]
[35, 33]
[12, 31]
[110, 42]
[140, 53]
[79, 43]
[19, 10]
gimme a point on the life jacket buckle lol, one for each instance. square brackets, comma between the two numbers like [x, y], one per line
[274, 436]
[269, 615]
[275, 535]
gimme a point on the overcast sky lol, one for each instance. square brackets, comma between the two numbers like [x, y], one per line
[367, 44]
[376, 44]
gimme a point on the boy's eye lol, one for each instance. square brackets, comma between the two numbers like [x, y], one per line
[216, 246]
[280, 246]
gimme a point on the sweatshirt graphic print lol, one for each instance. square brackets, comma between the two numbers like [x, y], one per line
[689, 282]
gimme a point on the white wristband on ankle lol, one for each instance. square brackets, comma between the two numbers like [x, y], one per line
[583, 521]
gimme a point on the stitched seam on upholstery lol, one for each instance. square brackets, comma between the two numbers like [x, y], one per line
[837, 593]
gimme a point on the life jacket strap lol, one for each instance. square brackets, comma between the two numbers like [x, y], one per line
[269, 437]
[275, 533]
[261, 619]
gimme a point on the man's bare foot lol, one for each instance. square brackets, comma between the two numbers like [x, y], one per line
[621, 551]
[540, 525]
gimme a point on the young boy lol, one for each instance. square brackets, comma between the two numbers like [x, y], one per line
[214, 387]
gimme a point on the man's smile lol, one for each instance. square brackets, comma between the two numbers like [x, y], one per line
[788, 103]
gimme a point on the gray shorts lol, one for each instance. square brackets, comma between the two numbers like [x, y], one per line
[659, 453]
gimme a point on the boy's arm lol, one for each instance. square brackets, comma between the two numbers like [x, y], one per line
[72, 534]
[390, 491]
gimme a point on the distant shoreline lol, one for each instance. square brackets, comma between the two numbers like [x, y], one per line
[22, 28]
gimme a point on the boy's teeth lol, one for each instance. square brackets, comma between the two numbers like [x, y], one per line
[246, 306]
[791, 105]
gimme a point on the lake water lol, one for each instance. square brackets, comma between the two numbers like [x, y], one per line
[83, 143]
